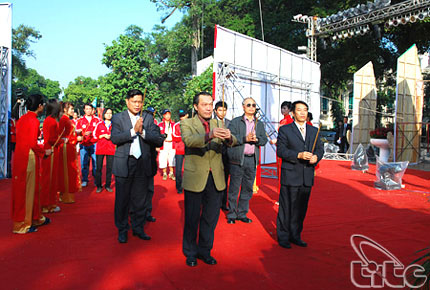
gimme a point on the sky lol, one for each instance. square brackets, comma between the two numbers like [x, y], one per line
[74, 32]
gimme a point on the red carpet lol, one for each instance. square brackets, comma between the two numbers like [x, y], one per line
[79, 250]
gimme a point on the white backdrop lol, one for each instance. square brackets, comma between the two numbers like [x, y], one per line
[269, 74]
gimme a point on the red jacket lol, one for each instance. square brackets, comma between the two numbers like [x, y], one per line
[104, 146]
[85, 127]
[287, 120]
[162, 126]
[177, 139]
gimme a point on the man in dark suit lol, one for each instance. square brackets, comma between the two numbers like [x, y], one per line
[220, 113]
[134, 165]
[295, 142]
[342, 135]
[203, 180]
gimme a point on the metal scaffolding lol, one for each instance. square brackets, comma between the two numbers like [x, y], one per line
[230, 77]
[4, 105]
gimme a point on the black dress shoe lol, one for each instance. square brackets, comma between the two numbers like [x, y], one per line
[142, 235]
[285, 245]
[299, 243]
[150, 219]
[122, 237]
[231, 221]
[191, 261]
[245, 220]
[208, 260]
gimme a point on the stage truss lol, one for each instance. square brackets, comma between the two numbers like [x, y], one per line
[4, 105]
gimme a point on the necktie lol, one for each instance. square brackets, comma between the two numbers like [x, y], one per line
[302, 130]
[135, 146]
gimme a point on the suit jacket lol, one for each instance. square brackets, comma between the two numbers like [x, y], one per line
[202, 157]
[121, 136]
[294, 171]
[238, 129]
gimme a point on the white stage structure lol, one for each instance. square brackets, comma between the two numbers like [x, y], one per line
[5, 82]
[248, 67]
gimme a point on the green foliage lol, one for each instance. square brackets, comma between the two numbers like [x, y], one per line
[201, 83]
[81, 91]
[33, 83]
[22, 37]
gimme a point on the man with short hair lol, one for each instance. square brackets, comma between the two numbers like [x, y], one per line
[85, 128]
[136, 137]
[243, 160]
[167, 152]
[220, 113]
[342, 135]
[179, 150]
[295, 142]
[203, 180]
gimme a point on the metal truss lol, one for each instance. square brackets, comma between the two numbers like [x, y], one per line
[4, 120]
[374, 17]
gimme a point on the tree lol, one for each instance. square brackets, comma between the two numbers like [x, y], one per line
[22, 37]
[81, 91]
[33, 83]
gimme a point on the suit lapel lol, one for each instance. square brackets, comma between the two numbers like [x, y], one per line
[309, 140]
[297, 132]
[127, 120]
[197, 124]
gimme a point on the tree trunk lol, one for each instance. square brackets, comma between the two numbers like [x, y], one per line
[195, 44]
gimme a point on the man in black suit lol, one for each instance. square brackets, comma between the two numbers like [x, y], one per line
[342, 135]
[220, 113]
[134, 165]
[295, 142]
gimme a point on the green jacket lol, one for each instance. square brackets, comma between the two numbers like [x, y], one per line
[201, 157]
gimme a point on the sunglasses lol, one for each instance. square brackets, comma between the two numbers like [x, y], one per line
[253, 105]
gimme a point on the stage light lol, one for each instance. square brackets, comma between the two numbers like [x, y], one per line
[334, 37]
[396, 22]
[345, 34]
[403, 20]
[413, 19]
[422, 15]
[350, 33]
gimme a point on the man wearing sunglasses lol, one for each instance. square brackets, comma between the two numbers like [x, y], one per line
[251, 135]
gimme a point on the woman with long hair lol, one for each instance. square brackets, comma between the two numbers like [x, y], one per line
[51, 136]
[69, 180]
[26, 213]
[104, 147]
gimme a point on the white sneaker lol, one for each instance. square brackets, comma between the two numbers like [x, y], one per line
[84, 183]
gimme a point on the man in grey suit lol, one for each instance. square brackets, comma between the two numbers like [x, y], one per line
[136, 137]
[295, 142]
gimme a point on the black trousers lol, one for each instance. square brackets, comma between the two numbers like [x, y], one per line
[344, 145]
[130, 197]
[150, 195]
[293, 205]
[201, 217]
[241, 178]
[179, 161]
[227, 174]
[99, 170]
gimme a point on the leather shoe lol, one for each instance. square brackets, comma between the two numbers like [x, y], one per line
[99, 189]
[191, 261]
[208, 260]
[245, 220]
[122, 237]
[285, 245]
[231, 221]
[150, 219]
[108, 189]
[142, 235]
[299, 243]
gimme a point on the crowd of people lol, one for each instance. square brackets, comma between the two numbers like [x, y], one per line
[213, 161]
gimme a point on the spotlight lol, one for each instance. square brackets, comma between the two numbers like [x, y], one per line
[350, 33]
[403, 20]
[422, 15]
[334, 37]
[395, 22]
[413, 19]
[345, 34]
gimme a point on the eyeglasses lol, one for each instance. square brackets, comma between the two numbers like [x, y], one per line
[253, 105]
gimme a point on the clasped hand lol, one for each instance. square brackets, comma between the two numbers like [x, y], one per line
[251, 137]
[312, 158]
[222, 133]
[138, 127]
